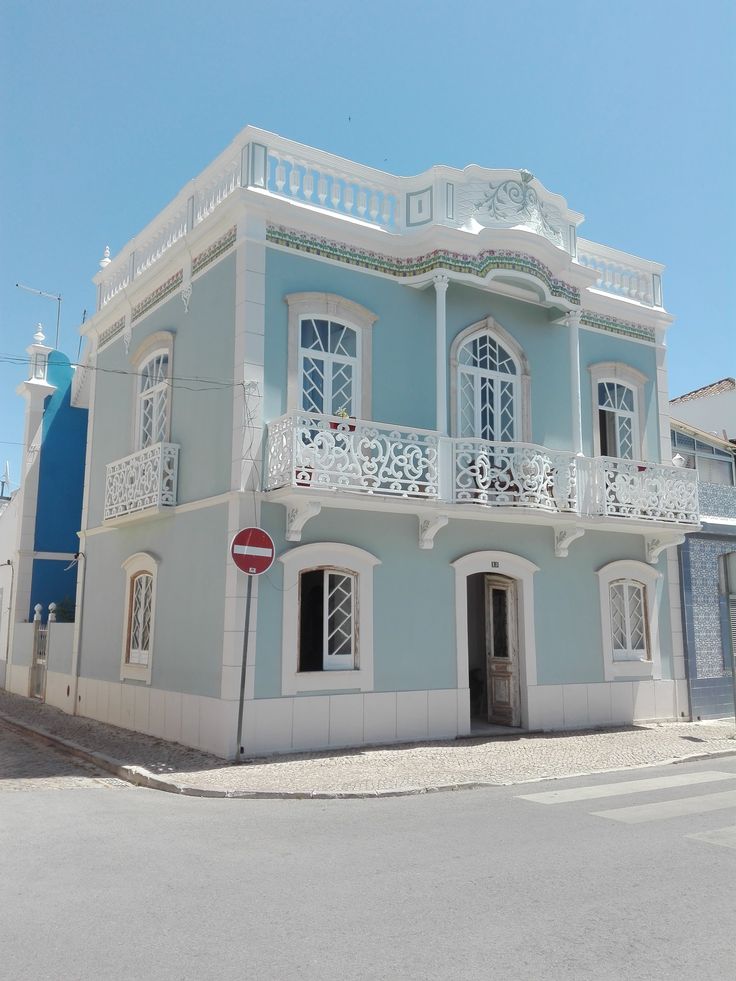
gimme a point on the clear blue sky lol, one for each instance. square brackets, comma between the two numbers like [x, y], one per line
[627, 109]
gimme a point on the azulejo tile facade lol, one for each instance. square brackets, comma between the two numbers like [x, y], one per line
[452, 427]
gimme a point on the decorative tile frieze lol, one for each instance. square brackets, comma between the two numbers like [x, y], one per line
[214, 251]
[161, 292]
[626, 328]
[112, 331]
[476, 265]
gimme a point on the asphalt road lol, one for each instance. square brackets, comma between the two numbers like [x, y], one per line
[104, 881]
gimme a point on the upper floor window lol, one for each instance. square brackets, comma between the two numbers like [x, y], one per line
[491, 381]
[152, 361]
[713, 464]
[329, 367]
[616, 420]
[618, 397]
[329, 355]
[153, 401]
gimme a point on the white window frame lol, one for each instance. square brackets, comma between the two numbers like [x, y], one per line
[522, 379]
[330, 306]
[648, 577]
[334, 662]
[159, 343]
[619, 374]
[344, 558]
[142, 563]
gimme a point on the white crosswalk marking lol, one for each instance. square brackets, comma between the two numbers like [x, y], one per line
[722, 836]
[680, 807]
[596, 791]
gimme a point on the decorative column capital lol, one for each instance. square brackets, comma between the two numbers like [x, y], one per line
[441, 282]
[573, 318]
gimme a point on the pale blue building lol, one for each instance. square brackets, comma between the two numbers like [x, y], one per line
[451, 414]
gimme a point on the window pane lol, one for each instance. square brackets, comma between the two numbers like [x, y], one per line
[342, 340]
[311, 605]
[342, 389]
[715, 471]
[339, 617]
[313, 385]
[139, 645]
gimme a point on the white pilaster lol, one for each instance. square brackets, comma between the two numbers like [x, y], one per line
[573, 324]
[663, 401]
[441, 283]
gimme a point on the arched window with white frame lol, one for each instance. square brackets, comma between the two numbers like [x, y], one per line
[630, 595]
[329, 363]
[152, 361]
[617, 422]
[327, 630]
[490, 382]
[140, 607]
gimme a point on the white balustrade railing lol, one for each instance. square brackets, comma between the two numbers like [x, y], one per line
[343, 189]
[328, 453]
[514, 475]
[649, 491]
[146, 479]
[622, 274]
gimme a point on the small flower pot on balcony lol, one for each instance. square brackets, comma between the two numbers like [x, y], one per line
[345, 425]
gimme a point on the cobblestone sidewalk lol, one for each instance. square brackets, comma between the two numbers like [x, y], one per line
[385, 770]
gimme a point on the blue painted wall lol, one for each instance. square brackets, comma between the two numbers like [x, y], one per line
[60, 487]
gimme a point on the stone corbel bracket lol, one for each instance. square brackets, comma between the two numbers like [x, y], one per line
[655, 546]
[565, 535]
[297, 515]
[429, 525]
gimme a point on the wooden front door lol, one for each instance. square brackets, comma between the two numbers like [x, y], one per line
[502, 652]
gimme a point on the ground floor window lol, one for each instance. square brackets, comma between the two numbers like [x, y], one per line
[140, 596]
[630, 595]
[327, 631]
[327, 618]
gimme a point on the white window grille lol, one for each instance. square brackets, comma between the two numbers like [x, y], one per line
[140, 614]
[329, 367]
[153, 401]
[616, 420]
[327, 620]
[628, 606]
[487, 389]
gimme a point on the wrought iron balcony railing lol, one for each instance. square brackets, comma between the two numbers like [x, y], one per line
[327, 453]
[144, 480]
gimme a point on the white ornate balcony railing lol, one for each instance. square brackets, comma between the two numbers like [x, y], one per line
[646, 491]
[327, 453]
[146, 479]
[622, 274]
[514, 475]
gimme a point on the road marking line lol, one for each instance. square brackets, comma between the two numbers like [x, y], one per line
[680, 807]
[723, 836]
[592, 792]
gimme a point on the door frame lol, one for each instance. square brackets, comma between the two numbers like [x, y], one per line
[513, 567]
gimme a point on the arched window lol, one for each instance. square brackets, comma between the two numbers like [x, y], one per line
[153, 401]
[327, 618]
[617, 420]
[328, 367]
[140, 606]
[487, 390]
[629, 592]
[629, 630]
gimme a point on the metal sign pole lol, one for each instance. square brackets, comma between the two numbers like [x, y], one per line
[241, 706]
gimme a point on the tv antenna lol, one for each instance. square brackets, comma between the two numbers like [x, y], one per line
[49, 296]
[5, 481]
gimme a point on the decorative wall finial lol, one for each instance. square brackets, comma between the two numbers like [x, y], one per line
[39, 337]
[105, 260]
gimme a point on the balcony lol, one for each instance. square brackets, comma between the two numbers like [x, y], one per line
[142, 482]
[325, 454]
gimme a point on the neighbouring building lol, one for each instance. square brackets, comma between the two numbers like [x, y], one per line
[38, 531]
[708, 557]
[451, 414]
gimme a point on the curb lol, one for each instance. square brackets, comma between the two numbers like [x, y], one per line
[138, 776]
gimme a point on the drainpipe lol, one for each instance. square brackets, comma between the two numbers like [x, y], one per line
[441, 283]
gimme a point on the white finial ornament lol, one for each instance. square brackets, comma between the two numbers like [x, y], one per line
[105, 260]
[39, 337]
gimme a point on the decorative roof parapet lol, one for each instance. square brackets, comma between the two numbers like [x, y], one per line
[476, 265]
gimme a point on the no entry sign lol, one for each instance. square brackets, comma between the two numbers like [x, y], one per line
[252, 551]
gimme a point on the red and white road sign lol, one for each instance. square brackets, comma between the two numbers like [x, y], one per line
[253, 551]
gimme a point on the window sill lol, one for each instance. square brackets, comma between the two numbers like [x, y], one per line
[629, 670]
[308, 681]
[136, 672]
